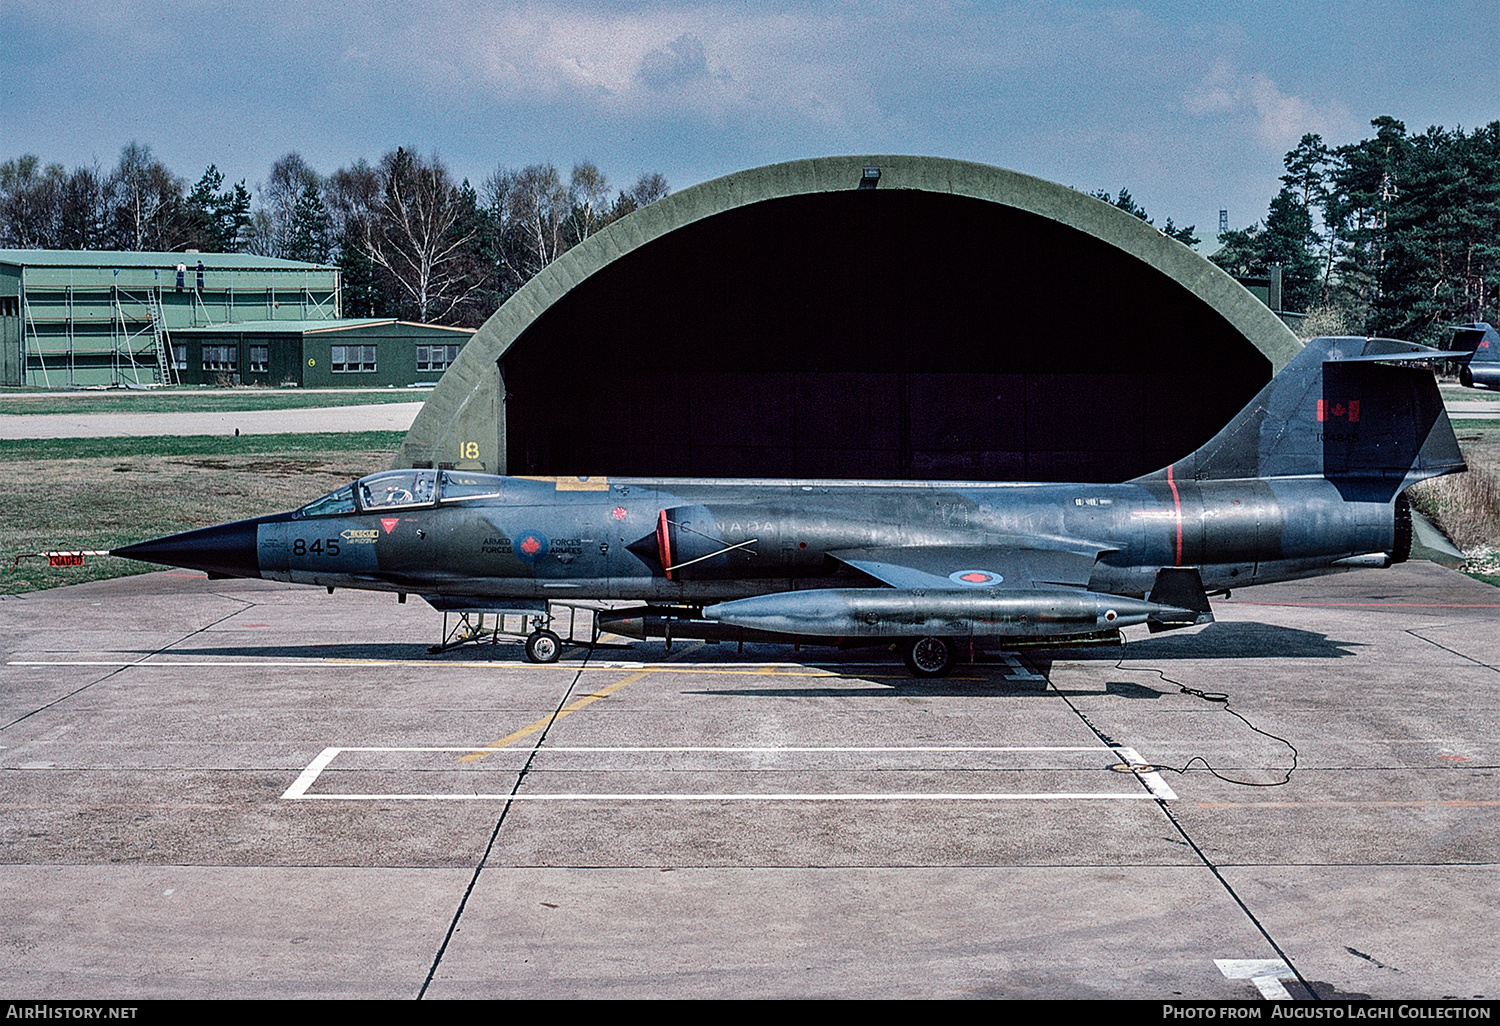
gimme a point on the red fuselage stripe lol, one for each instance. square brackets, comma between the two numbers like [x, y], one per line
[1176, 502]
[664, 543]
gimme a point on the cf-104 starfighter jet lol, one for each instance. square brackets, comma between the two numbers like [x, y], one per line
[1480, 345]
[1306, 480]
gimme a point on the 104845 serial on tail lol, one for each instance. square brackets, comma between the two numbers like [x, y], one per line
[1306, 480]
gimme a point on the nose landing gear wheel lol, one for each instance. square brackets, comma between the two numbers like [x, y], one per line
[929, 657]
[543, 647]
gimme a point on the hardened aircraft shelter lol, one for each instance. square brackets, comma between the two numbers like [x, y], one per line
[858, 317]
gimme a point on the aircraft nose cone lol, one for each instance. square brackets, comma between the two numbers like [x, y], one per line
[229, 549]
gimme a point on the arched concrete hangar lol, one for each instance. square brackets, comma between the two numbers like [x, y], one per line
[944, 320]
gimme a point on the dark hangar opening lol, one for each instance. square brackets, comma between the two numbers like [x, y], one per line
[873, 334]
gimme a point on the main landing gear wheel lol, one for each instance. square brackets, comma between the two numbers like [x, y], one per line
[929, 657]
[543, 647]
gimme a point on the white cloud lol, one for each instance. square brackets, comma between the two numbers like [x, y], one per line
[709, 62]
[1276, 119]
[680, 62]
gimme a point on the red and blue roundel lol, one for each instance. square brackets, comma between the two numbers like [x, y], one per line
[530, 545]
[975, 578]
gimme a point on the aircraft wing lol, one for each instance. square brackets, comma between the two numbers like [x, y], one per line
[1015, 565]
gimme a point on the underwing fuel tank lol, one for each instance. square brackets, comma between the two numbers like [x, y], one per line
[644, 622]
[891, 612]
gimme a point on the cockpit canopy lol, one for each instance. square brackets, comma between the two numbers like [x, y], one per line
[402, 489]
[395, 489]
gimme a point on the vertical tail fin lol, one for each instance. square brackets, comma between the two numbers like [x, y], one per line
[1346, 409]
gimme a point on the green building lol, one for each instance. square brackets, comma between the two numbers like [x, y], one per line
[361, 352]
[81, 318]
[72, 318]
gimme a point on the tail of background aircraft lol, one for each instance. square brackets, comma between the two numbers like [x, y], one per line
[1482, 343]
[1345, 409]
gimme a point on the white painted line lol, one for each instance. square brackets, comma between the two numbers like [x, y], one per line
[1270, 988]
[736, 748]
[302, 783]
[299, 789]
[1021, 672]
[883, 796]
[1265, 973]
[1152, 779]
[98, 662]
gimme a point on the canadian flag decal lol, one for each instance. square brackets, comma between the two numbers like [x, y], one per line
[1338, 410]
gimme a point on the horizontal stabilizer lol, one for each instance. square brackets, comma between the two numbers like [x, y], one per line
[1478, 342]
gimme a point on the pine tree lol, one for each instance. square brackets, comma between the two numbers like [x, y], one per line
[308, 233]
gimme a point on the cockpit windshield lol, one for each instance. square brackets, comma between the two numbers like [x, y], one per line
[332, 504]
[394, 488]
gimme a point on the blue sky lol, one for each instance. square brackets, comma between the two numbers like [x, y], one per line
[1190, 105]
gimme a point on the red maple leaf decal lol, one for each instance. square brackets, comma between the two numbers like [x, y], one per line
[529, 545]
[975, 578]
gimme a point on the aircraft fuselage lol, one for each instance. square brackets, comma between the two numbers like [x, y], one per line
[555, 540]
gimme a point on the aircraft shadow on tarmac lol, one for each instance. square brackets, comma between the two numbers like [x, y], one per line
[375, 651]
[1225, 640]
[1237, 640]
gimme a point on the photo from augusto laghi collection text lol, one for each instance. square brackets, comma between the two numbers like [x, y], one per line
[1347, 1010]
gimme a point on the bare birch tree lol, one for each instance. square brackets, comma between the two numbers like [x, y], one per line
[589, 191]
[144, 202]
[270, 230]
[29, 196]
[531, 208]
[413, 237]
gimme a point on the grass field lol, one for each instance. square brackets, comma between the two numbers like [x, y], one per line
[192, 400]
[99, 493]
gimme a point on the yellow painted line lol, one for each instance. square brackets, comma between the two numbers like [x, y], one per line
[571, 707]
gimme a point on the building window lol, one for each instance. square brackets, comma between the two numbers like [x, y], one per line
[260, 359]
[436, 358]
[352, 359]
[179, 357]
[221, 358]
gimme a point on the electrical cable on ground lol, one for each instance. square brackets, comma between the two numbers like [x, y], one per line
[1219, 698]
